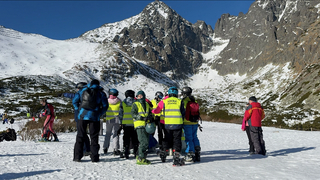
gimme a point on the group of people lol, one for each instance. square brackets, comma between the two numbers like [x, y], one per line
[174, 118]
[135, 115]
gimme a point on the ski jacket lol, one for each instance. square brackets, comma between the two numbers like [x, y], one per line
[112, 114]
[75, 102]
[123, 111]
[95, 113]
[185, 102]
[140, 115]
[254, 112]
[69, 95]
[48, 110]
[168, 124]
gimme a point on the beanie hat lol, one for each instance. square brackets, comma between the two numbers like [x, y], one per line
[142, 93]
[253, 98]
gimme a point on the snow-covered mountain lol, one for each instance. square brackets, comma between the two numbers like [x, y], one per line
[269, 52]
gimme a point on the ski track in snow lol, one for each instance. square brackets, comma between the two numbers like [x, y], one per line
[291, 155]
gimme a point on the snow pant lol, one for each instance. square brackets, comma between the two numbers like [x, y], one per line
[191, 136]
[86, 146]
[257, 139]
[160, 128]
[130, 134]
[251, 147]
[143, 138]
[173, 139]
[94, 127]
[101, 128]
[48, 123]
[112, 129]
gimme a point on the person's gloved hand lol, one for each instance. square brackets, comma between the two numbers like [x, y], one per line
[200, 127]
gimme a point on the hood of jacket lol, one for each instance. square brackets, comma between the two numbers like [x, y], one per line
[129, 101]
[113, 101]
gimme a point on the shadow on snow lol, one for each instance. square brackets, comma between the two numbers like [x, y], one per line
[4, 155]
[238, 154]
[25, 174]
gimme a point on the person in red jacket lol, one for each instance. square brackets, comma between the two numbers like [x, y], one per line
[49, 112]
[254, 115]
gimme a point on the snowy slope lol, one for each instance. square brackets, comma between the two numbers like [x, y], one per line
[291, 155]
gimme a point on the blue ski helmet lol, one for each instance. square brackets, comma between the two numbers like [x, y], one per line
[173, 90]
[113, 92]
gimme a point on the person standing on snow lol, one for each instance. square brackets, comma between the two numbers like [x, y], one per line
[129, 135]
[255, 113]
[112, 122]
[92, 103]
[49, 112]
[159, 118]
[190, 129]
[245, 127]
[75, 96]
[174, 112]
[141, 113]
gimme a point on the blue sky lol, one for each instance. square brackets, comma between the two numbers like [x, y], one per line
[69, 19]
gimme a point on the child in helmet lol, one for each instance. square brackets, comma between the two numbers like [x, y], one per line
[174, 112]
[49, 112]
[113, 122]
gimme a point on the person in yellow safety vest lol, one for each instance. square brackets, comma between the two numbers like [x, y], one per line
[112, 122]
[141, 113]
[174, 112]
[190, 129]
[129, 134]
[159, 118]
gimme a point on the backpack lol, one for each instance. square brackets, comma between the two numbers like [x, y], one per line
[89, 99]
[192, 111]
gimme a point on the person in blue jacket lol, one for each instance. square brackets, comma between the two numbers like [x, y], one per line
[74, 96]
[91, 103]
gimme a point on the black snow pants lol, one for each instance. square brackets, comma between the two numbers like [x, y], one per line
[257, 139]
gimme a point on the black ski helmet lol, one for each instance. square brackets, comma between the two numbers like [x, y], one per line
[159, 95]
[80, 85]
[186, 91]
[113, 92]
[129, 93]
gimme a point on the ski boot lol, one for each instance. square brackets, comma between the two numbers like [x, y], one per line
[176, 159]
[122, 154]
[116, 152]
[163, 155]
[190, 157]
[143, 161]
[55, 138]
[197, 153]
[126, 152]
[105, 151]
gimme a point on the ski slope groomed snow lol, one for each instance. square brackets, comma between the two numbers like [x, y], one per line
[291, 155]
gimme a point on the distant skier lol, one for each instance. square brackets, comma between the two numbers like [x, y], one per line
[49, 112]
[255, 113]
[5, 118]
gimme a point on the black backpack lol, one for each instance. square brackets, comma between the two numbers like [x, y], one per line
[89, 99]
[11, 135]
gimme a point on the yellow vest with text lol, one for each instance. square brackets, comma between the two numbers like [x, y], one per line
[113, 111]
[172, 112]
[127, 116]
[185, 102]
[154, 106]
[142, 113]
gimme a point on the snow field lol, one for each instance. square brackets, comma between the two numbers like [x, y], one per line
[291, 155]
